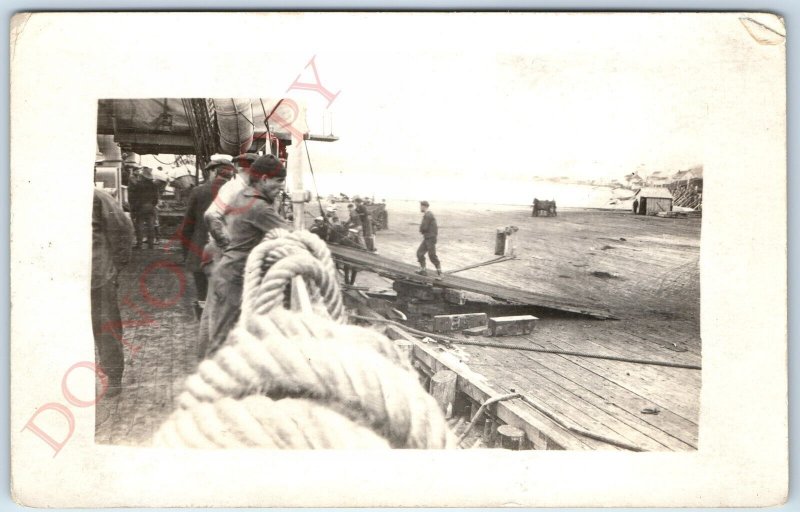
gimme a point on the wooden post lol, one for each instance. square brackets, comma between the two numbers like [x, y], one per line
[511, 437]
[474, 407]
[489, 431]
[500, 242]
[443, 389]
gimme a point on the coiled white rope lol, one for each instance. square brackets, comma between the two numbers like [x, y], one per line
[285, 379]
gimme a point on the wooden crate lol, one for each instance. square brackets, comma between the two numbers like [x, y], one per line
[511, 325]
[447, 323]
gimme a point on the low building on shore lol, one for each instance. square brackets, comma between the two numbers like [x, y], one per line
[651, 200]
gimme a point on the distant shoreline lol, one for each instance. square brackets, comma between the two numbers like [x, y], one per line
[487, 204]
[498, 192]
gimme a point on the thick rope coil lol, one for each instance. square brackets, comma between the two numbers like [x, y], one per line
[258, 421]
[283, 255]
[290, 380]
[345, 373]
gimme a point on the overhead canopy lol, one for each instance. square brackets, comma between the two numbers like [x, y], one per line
[163, 125]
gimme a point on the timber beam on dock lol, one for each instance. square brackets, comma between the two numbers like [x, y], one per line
[395, 270]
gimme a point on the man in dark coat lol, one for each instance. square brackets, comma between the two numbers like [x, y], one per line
[366, 224]
[143, 199]
[430, 232]
[193, 232]
[354, 225]
[112, 235]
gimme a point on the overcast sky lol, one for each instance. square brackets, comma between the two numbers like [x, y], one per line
[625, 101]
[494, 101]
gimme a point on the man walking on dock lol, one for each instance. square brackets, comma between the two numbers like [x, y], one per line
[430, 231]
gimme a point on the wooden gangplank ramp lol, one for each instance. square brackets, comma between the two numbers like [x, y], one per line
[395, 270]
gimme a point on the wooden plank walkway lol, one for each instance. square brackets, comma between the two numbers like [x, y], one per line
[644, 270]
[606, 398]
[602, 396]
[160, 334]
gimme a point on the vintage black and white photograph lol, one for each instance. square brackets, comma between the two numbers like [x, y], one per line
[552, 305]
[496, 247]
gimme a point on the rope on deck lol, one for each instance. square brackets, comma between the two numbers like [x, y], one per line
[289, 380]
[527, 348]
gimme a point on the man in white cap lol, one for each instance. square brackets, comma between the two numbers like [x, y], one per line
[220, 209]
[331, 215]
[193, 231]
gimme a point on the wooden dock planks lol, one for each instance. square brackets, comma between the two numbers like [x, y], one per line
[604, 397]
[666, 387]
[666, 428]
[654, 291]
[591, 392]
[581, 394]
[537, 427]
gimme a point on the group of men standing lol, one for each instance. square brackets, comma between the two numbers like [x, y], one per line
[227, 216]
[358, 227]
[113, 234]
[234, 209]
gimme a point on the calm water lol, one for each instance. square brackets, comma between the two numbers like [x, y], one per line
[489, 191]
